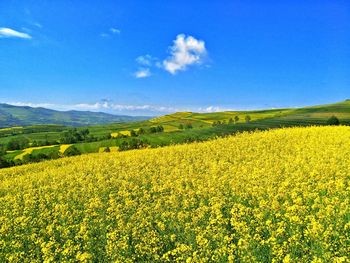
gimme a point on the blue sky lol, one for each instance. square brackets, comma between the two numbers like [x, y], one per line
[155, 57]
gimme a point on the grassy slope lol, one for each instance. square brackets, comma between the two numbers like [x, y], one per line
[286, 117]
[316, 114]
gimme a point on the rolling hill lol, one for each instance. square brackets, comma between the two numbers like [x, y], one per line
[23, 116]
[180, 127]
[317, 115]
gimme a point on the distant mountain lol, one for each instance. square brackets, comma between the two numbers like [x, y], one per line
[11, 115]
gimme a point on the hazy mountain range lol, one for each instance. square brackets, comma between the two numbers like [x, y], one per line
[11, 115]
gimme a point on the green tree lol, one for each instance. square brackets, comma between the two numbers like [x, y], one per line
[156, 129]
[133, 133]
[152, 130]
[333, 121]
[160, 128]
[72, 151]
[84, 133]
[141, 131]
[181, 126]
[236, 119]
[134, 143]
[124, 145]
[247, 118]
[188, 126]
[2, 150]
[18, 143]
[230, 121]
[67, 138]
[73, 135]
[5, 163]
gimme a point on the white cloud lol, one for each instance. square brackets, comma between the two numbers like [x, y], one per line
[35, 105]
[145, 60]
[37, 24]
[213, 109]
[186, 51]
[142, 73]
[108, 106]
[10, 33]
[112, 31]
[105, 105]
[115, 30]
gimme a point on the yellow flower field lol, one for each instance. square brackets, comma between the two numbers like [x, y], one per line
[30, 150]
[276, 196]
[64, 147]
[111, 149]
[125, 133]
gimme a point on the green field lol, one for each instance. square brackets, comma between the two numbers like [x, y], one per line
[201, 128]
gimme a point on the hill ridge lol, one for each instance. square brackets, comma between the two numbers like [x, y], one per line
[12, 115]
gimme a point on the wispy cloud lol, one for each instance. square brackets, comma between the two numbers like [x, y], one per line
[114, 30]
[142, 73]
[111, 31]
[10, 33]
[185, 51]
[37, 24]
[145, 62]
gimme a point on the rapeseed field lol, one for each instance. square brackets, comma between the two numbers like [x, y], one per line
[274, 196]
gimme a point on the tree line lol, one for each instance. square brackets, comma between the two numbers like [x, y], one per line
[230, 121]
[142, 131]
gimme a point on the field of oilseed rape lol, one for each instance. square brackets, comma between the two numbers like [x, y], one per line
[275, 196]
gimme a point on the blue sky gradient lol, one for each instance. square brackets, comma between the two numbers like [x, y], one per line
[257, 54]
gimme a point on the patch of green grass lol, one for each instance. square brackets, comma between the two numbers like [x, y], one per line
[9, 156]
[91, 147]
